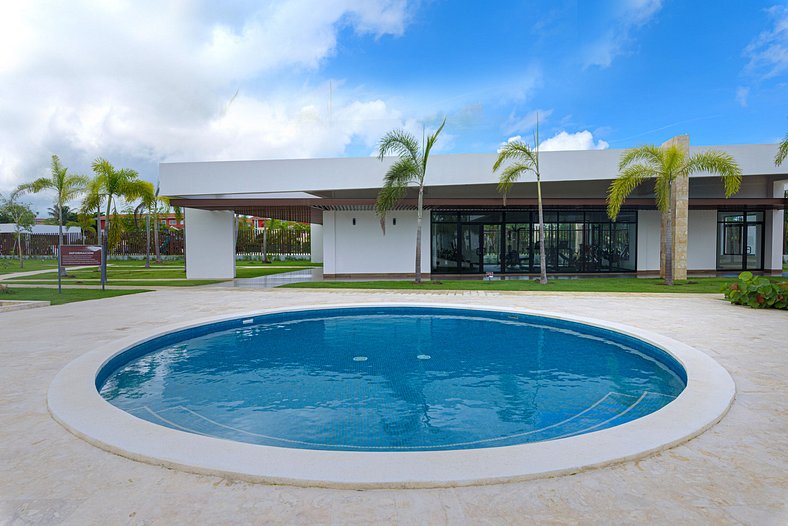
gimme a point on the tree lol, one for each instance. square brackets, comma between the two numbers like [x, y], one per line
[147, 203]
[21, 215]
[782, 151]
[522, 159]
[66, 186]
[410, 168]
[110, 184]
[664, 165]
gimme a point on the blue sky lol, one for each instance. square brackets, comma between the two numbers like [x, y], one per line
[141, 82]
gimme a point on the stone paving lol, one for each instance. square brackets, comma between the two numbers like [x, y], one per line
[735, 473]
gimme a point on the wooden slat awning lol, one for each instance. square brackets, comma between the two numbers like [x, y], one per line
[310, 210]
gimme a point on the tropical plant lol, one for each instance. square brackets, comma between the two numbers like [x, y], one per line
[147, 203]
[69, 215]
[757, 292]
[66, 186]
[782, 151]
[22, 217]
[664, 165]
[410, 168]
[521, 159]
[109, 185]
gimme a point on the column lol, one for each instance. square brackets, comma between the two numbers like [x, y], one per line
[210, 244]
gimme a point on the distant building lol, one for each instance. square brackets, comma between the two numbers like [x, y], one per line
[10, 228]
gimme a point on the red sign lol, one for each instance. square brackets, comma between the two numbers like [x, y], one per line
[80, 255]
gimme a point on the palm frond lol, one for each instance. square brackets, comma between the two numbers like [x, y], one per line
[428, 147]
[662, 187]
[388, 197]
[517, 151]
[628, 179]
[782, 151]
[646, 153]
[509, 176]
[395, 184]
[399, 143]
[717, 163]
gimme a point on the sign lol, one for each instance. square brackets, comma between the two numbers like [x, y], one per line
[80, 255]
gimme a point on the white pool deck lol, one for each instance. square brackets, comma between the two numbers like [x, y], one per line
[734, 473]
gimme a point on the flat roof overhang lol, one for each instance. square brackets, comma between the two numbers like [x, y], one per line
[311, 210]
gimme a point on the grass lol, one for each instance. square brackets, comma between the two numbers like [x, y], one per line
[9, 266]
[695, 285]
[138, 275]
[289, 263]
[67, 296]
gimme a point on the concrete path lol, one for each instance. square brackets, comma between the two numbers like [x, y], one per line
[735, 473]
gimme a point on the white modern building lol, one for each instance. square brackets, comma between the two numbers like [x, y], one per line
[467, 229]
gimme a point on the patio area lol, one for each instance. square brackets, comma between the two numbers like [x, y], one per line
[735, 473]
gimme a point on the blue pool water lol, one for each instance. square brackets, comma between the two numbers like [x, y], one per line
[392, 379]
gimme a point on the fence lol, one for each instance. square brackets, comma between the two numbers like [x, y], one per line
[281, 242]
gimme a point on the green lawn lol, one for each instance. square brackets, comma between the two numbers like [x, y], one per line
[166, 276]
[696, 285]
[277, 263]
[9, 266]
[67, 296]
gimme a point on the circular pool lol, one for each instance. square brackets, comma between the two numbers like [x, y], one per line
[391, 395]
[392, 379]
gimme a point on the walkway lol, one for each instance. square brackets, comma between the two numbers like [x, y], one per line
[735, 473]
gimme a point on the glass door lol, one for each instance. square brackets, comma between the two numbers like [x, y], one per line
[518, 247]
[492, 248]
[471, 251]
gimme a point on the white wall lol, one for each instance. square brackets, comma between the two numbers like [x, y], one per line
[316, 242]
[774, 223]
[648, 240]
[210, 244]
[702, 240]
[363, 249]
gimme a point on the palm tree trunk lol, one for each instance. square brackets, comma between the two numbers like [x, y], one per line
[418, 234]
[265, 242]
[542, 256]
[669, 240]
[60, 268]
[156, 248]
[19, 242]
[147, 240]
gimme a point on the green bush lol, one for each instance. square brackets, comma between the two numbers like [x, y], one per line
[757, 292]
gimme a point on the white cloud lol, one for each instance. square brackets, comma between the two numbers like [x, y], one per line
[741, 95]
[629, 16]
[520, 123]
[141, 82]
[767, 54]
[582, 140]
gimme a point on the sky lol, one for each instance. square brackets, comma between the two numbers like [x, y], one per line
[142, 82]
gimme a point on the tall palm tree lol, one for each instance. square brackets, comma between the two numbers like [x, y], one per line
[782, 151]
[66, 186]
[410, 168]
[522, 159]
[147, 204]
[664, 165]
[111, 183]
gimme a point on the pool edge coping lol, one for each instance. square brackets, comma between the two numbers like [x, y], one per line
[74, 402]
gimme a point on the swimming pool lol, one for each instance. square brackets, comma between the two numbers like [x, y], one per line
[392, 379]
[74, 401]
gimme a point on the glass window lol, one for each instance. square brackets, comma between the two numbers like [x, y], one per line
[739, 240]
[444, 217]
[445, 255]
[488, 217]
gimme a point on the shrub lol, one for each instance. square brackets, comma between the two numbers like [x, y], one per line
[757, 292]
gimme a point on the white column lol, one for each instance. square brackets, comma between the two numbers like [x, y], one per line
[774, 222]
[210, 244]
[316, 239]
[648, 240]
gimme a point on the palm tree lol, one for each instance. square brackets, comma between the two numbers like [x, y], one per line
[410, 168]
[67, 187]
[111, 183]
[664, 165]
[523, 159]
[147, 203]
[782, 151]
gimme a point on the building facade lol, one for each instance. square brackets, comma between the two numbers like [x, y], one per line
[467, 230]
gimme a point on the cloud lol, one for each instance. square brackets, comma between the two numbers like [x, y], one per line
[143, 82]
[582, 140]
[767, 54]
[741, 95]
[521, 123]
[629, 16]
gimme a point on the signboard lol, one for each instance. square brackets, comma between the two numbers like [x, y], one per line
[80, 255]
